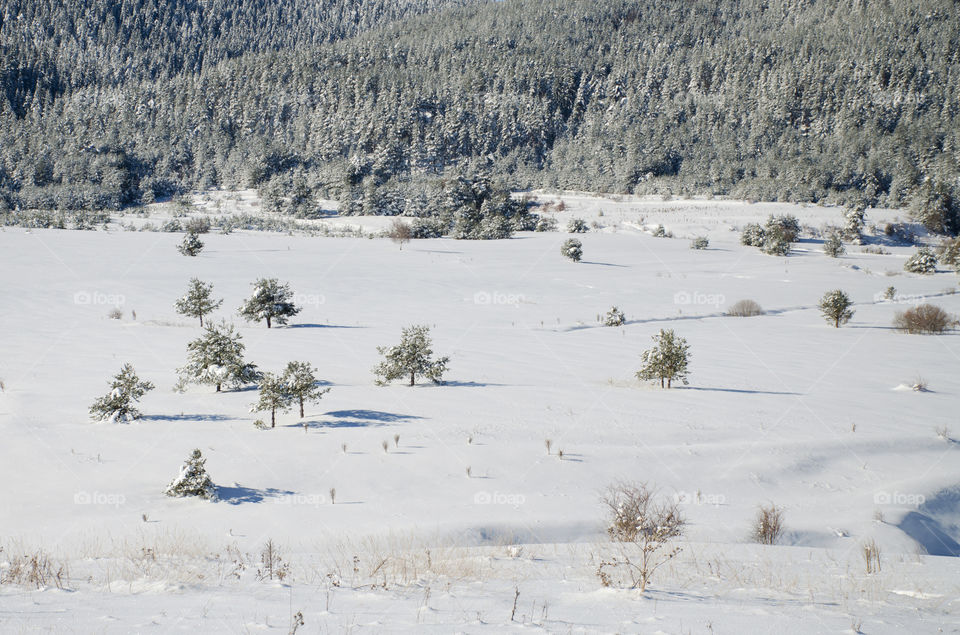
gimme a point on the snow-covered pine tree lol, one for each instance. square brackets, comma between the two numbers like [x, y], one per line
[197, 302]
[274, 396]
[923, 261]
[216, 358]
[271, 301]
[614, 317]
[835, 306]
[833, 246]
[191, 245]
[125, 390]
[193, 479]
[300, 380]
[412, 358]
[572, 249]
[667, 360]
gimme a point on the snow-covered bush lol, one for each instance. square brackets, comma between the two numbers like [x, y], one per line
[614, 317]
[125, 390]
[572, 249]
[786, 225]
[577, 226]
[700, 242]
[193, 480]
[752, 235]
[835, 307]
[775, 243]
[853, 223]
[948, 252]
[667, 360]
[922, 261]
[271, 301]
[190, 246]
[412, 358]
[833, 246]
[546, 224]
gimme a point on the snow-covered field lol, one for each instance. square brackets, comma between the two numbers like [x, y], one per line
[441, 531]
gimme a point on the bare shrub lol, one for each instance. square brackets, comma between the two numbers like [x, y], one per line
[272, 564]
[768, 525]
[642, 527]
[115, 314]
[871, 556]
[36, 570]
[399, 232]
[924, 318]
[745, 308]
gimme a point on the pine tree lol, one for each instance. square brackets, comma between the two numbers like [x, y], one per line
[274, 396]
[412, 358]
[271, 301]
[197, 302]
[923, 261]
[193, 480]
[125, 390]
[835, 306]
[833, 246]
[614, 317]
[667, 360]
[191, 245]
[300, 379]
[572, 249]
[216, 358]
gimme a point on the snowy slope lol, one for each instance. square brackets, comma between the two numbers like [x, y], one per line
[781, 408]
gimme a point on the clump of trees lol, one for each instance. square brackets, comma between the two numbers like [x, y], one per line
[833, 246]
[198, 300]
[119, 405]
[271, 301]
[411, 358]
[835, 307]
[774, 237]
[193, 479]
[216, 358]
[667, 361]
[700, 242]
[297, 384]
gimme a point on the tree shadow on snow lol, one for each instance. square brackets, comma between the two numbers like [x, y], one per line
[470, 384]
[355, 419]
[184, 417]
[603, 264]
[735, 390]
[238, 494]
[322, 326]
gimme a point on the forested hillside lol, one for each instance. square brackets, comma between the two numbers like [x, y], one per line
[120, 102]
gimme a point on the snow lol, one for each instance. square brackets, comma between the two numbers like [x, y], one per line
[781, 408]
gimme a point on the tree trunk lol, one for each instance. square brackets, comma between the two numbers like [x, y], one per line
[412, 378]
[268, 321]
[301, 407]
[669, 381]
[273, 417]
[201, 320]
[218, 387]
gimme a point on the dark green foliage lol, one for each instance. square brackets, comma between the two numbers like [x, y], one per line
[271, 302]
[572, 249]
[106, 104]
[667, 360]
[125, 390]
[412, 358]
[193, 479]
[835, 307]
[190, 245]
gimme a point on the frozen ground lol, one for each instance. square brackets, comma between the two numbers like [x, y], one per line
[780, 408]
